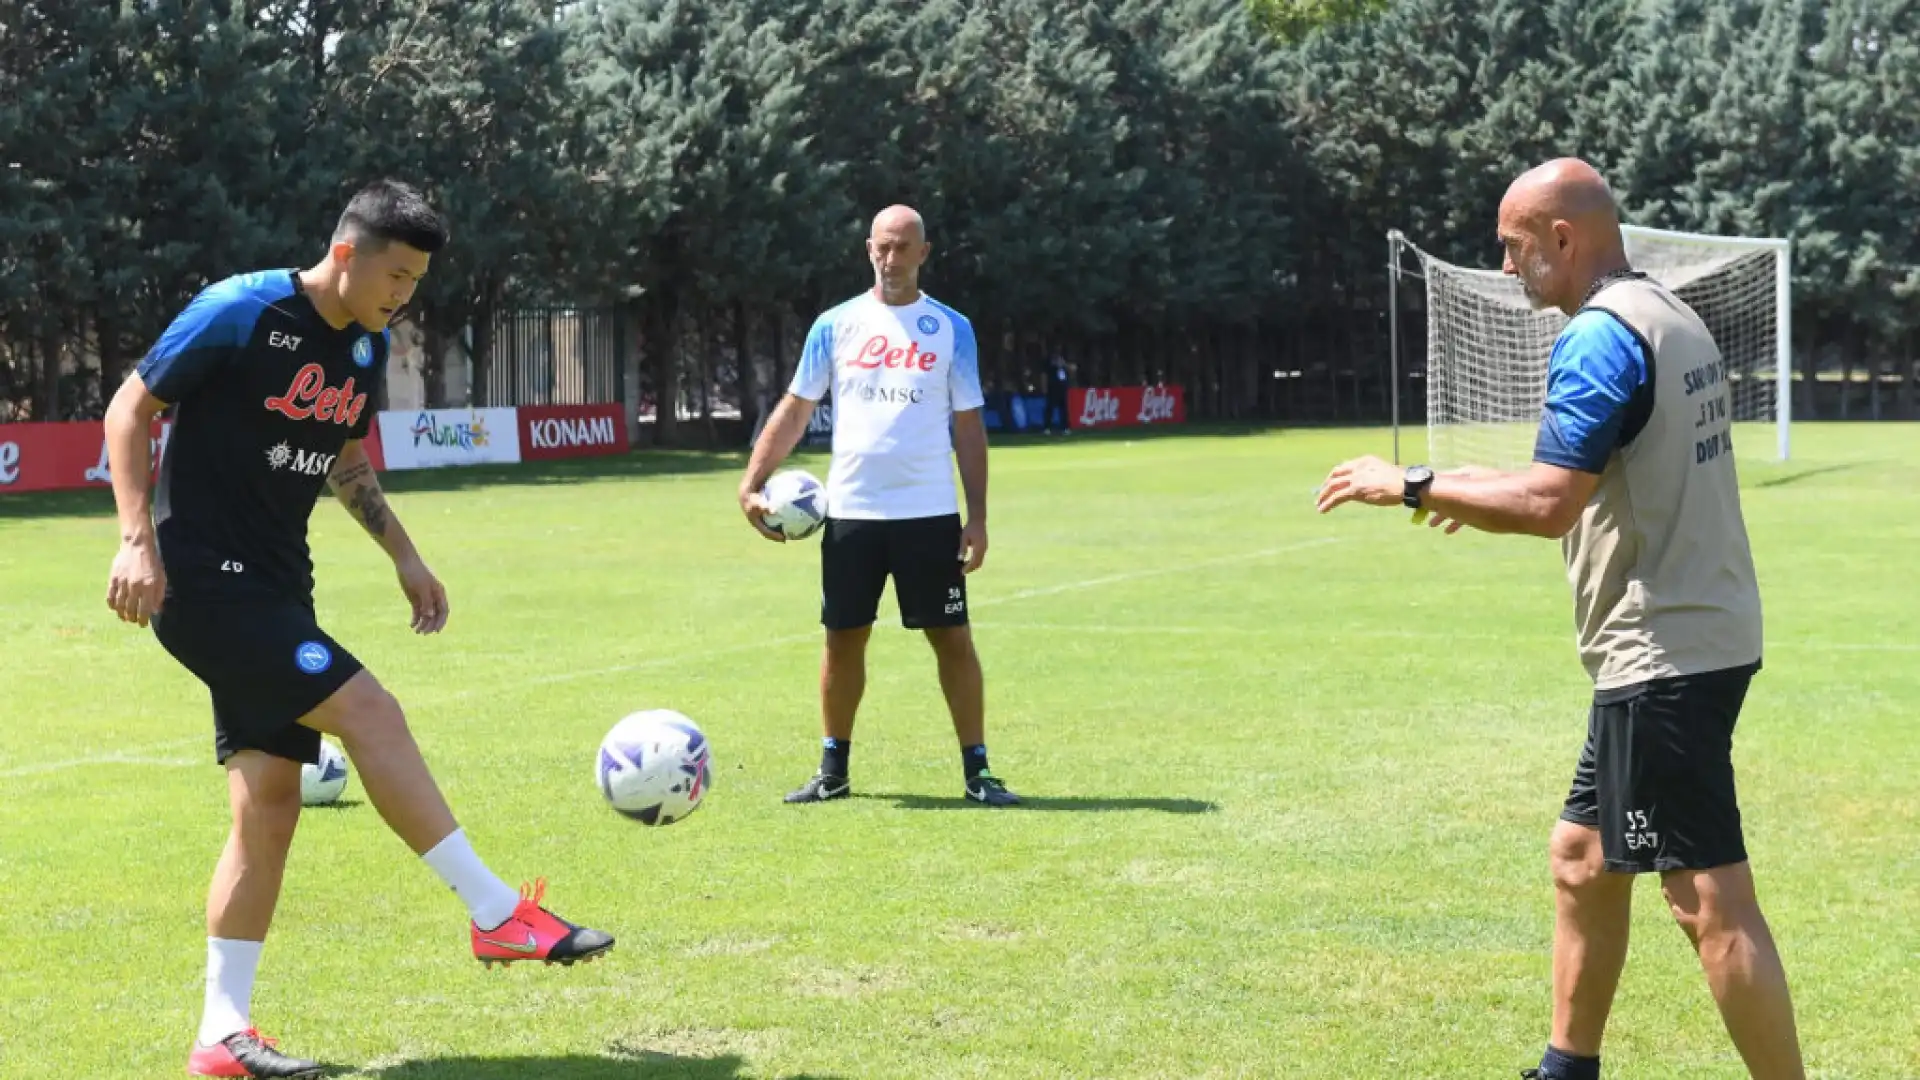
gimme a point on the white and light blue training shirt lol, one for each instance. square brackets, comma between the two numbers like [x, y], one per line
[897, 375]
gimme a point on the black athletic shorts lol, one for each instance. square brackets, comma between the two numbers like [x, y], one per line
[1656, 774]
[922, 555]
[267, 663]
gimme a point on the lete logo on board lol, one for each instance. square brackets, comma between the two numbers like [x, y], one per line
[1126, 406]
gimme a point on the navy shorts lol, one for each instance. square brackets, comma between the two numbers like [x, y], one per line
[266, 663]
[1656, 774]
[921, 555]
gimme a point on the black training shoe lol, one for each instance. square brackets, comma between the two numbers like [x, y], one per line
[821, 789]
[248, 1053]
[988, 788]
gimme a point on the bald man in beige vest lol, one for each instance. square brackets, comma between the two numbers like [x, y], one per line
[1634, 474]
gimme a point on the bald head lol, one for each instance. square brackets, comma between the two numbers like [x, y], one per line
[1568, 189]
[900, 219]
[897, 246]
[1560, 227]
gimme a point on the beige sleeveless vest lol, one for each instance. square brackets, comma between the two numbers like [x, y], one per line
[1662, 575]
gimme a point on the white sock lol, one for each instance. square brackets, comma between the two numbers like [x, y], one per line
[231, 966]
[489, 900]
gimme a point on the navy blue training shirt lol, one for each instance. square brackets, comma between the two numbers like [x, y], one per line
[263, 394]
[1599, 393]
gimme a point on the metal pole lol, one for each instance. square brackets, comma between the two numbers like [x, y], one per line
[1393, 332]
[1783, 346]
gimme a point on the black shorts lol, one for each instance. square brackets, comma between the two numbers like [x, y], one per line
[922, 555]
[267, 664]
[1656, 774]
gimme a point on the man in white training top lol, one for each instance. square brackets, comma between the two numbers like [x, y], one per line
[904, 372]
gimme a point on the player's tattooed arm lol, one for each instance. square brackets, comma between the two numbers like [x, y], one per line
[357, 487]
[359, 491]
[360, 494]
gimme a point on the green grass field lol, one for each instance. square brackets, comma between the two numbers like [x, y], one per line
[1290, 781]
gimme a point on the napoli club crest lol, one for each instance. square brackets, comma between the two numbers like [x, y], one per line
[928, 324]
[313, 657]
[363, 352]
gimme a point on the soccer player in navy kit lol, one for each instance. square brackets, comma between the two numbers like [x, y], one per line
[271, 378]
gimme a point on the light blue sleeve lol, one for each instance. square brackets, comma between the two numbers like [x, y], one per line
[963, 374]
[1596, 377]
[814, 376]
[200, 340]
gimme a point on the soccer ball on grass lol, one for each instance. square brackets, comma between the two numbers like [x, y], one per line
[654, 767]
[322, 782]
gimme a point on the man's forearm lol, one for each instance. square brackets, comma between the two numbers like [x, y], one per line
[1495, 503]
[970, 451]
[130, 461]
[777, 440]
[357, 487]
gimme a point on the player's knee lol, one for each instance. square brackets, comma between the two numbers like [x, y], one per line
[266, 806]
[848, 645]
[1575, 856]
[1710, 905]
[951, 642]
[363, 709]
[1689, 909]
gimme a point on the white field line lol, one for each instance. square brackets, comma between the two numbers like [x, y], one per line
[1159, 571]
[138, 755]
[679, 659]
[141, 755]
[1773, 648]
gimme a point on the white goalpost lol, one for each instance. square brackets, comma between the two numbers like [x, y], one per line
[1487, 348]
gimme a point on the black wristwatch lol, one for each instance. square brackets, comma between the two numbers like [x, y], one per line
[1419, 478]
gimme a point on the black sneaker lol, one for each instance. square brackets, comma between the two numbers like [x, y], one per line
[988, 788]
[248, 1053]
[821, 788]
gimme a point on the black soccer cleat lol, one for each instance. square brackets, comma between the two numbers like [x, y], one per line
[988, 789]
[821, 788]
[248, 1053]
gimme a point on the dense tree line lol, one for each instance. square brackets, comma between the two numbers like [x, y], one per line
[1195, 190]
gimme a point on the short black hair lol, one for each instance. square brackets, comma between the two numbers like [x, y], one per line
[389, 210]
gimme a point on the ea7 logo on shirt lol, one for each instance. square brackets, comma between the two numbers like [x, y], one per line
[304, 462]
[281, 340]
[309, 396]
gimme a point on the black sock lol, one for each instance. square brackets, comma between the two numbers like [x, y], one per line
[974, 760]
[1560, 1065]
[833, 756]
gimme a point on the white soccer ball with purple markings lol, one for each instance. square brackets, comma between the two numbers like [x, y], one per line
[654, 767]
[797, 504]
[322, 782]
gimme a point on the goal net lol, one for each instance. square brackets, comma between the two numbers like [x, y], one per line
[1487, 349]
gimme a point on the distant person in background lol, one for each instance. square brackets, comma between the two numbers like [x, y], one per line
[1058, 382]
